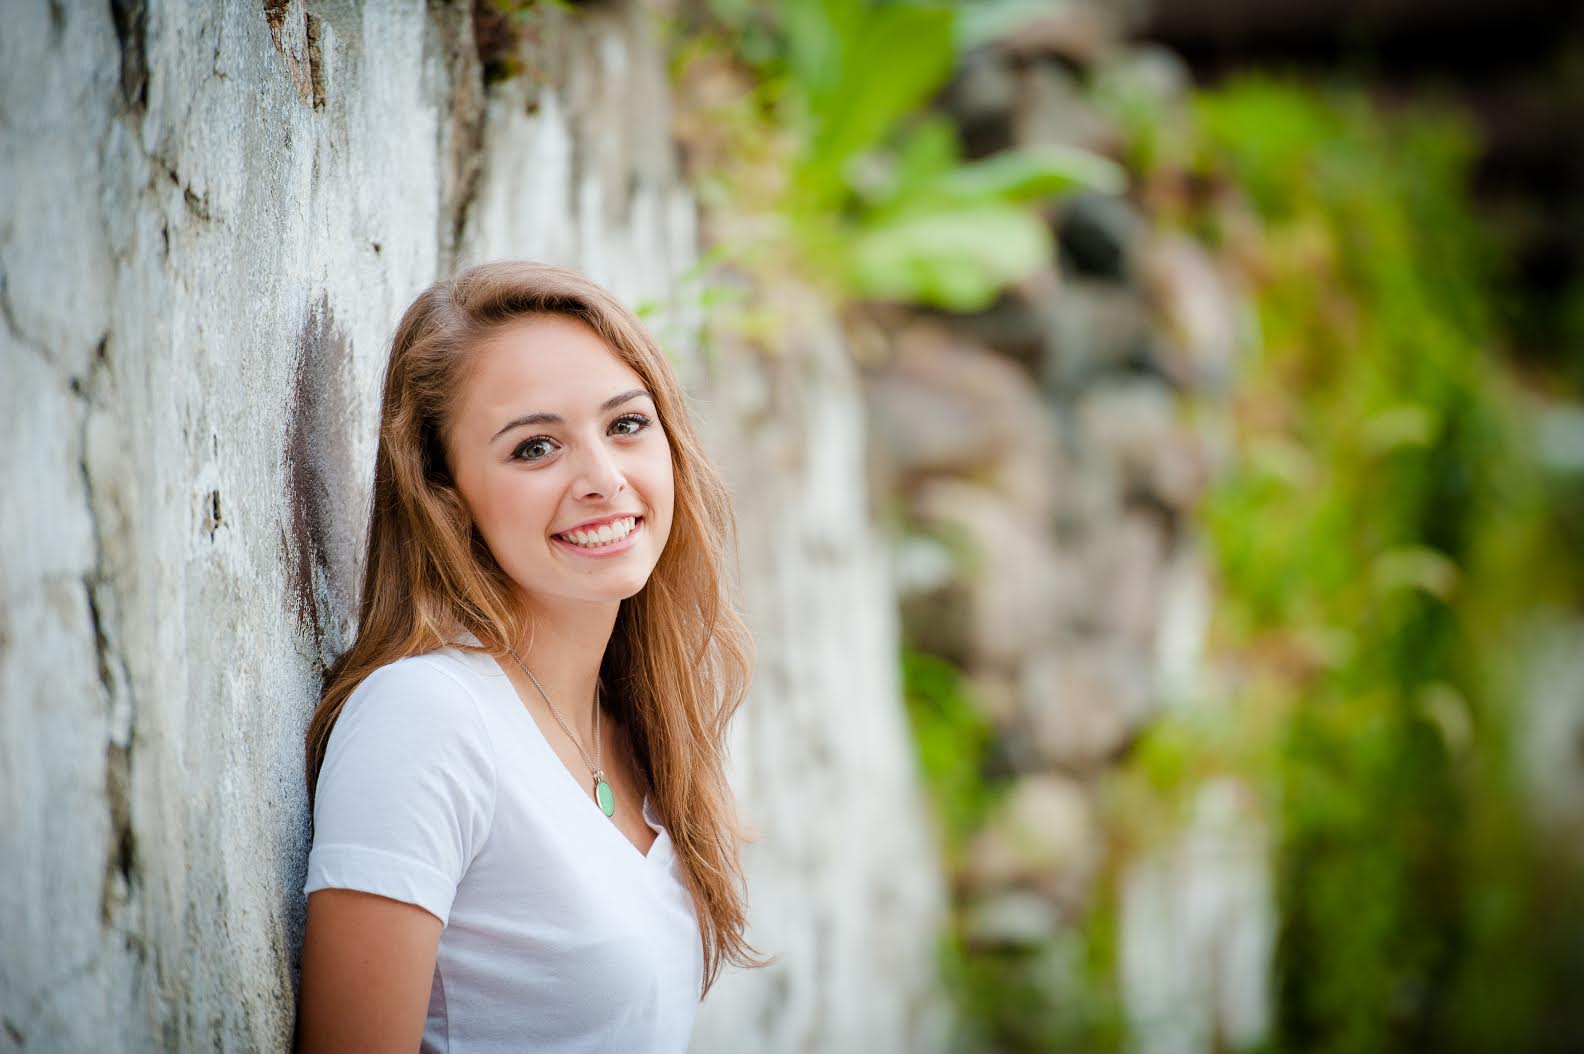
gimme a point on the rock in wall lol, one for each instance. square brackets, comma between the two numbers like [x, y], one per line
[215, 214]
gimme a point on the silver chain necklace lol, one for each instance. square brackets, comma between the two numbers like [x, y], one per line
[602, 790]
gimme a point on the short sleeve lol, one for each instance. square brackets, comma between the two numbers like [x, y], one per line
[406, 793]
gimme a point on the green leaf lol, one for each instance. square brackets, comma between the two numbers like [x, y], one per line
[860, 75]
[1029, 173]
[954, 259]
[819, 34]
[929, 154]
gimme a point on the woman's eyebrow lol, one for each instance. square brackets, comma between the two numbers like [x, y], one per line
[555, 419]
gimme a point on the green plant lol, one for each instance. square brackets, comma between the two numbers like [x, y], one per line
[847, 180]
[1380, 546]
[951, 738]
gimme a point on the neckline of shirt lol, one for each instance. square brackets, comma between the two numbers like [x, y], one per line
[486, 664]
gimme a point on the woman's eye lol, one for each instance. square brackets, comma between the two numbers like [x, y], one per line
[534, 450]
[629, 424]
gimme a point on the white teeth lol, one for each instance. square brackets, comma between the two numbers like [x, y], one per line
[604, 534]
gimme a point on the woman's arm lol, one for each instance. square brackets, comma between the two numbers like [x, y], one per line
[367, 966]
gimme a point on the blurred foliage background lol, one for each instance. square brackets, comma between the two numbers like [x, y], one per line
[1384, 544]
[1391, 520]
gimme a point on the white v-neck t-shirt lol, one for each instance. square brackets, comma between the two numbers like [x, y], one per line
[439, 789]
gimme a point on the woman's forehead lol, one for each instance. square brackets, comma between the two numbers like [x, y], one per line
[545, 365]
[552, 353]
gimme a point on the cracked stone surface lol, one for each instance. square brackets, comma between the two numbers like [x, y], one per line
[214, 215]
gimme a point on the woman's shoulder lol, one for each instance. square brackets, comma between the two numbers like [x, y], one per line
[409, 774]
[441, 686]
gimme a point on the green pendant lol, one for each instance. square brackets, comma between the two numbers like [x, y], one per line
[606, 797]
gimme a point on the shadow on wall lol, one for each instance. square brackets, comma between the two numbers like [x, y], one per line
[322, 538]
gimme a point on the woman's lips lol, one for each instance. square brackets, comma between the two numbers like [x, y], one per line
[608, 549]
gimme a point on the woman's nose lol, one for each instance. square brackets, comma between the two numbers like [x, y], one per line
[599, 477]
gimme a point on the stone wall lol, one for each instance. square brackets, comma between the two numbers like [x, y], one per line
[215, 215]
[1044, 458]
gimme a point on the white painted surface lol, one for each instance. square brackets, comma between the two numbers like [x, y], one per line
[198, 298]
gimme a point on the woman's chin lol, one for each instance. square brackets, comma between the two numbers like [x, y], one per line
[598, 589]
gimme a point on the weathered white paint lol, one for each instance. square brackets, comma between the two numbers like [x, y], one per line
[202, 268]
[844, 885]
[1197, 930]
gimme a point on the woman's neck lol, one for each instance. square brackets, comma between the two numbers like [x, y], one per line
[564, 649]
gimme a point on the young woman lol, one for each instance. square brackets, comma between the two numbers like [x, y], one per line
[523, 835]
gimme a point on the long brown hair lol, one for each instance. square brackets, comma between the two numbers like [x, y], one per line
[677, 665]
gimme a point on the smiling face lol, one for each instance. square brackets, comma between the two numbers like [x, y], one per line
[559, 453]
